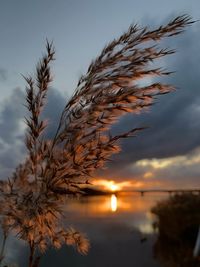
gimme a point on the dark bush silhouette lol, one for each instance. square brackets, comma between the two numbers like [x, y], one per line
[178, 224]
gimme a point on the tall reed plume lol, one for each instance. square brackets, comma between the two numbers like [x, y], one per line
[32, 199]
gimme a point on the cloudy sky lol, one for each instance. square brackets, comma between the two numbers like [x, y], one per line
[168, 153]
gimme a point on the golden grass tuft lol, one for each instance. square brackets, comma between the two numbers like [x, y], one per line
[32, 199]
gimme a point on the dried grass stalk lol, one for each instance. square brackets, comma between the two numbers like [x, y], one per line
[32, 199]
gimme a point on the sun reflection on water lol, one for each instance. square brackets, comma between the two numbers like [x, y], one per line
[113, 203]
[119, 204]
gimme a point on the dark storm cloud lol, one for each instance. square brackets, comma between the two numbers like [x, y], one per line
[11, 115]
[11, 132]
[55, 105]
[3, 75]
[174, 120]
[12, 127]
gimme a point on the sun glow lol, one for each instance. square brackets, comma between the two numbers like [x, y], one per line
[108, 185]
[113, 186]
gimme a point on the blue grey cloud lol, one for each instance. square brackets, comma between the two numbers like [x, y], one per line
[12, 127]
[3, 75]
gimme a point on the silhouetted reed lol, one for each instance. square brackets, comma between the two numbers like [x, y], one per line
[32, 200]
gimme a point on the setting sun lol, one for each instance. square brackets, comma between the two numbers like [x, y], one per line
[114, 186]
[108, 185]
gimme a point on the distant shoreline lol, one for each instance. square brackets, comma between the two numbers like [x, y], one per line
[97, 192]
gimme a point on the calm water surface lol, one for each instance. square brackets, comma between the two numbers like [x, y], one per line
[119, 227]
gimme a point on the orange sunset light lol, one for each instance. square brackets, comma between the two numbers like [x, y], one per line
[114, 186]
